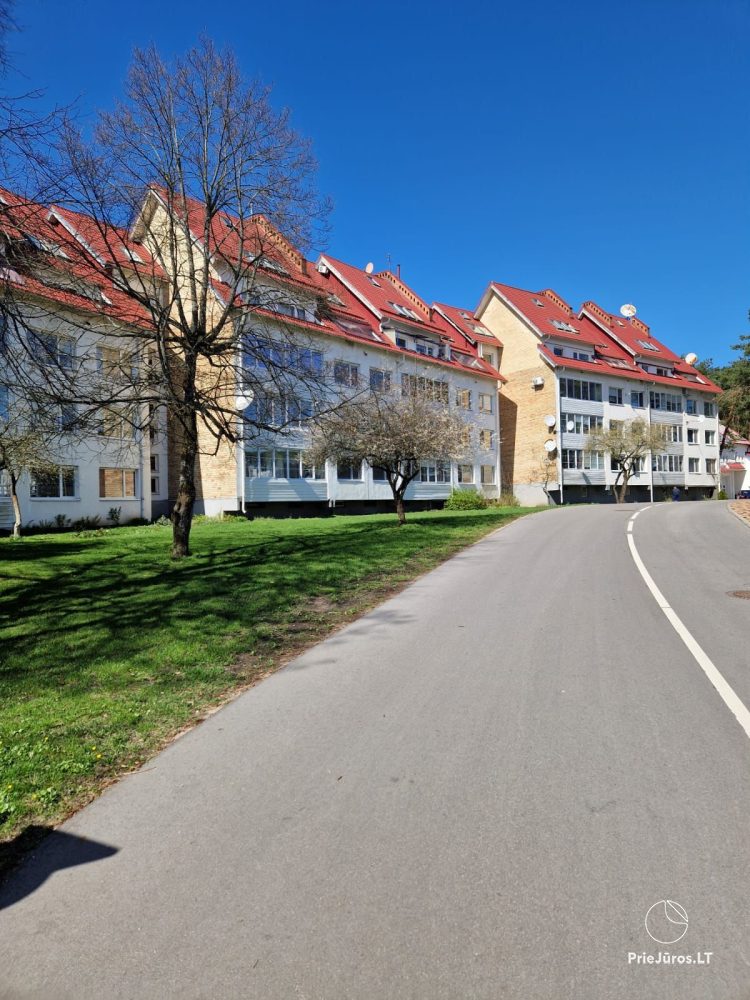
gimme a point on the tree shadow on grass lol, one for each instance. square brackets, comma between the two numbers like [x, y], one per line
[53, 851]
[121, 604]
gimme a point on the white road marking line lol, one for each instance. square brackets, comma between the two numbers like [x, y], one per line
[735, 705]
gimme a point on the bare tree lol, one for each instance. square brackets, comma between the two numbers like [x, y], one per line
[628, 442]
[174, 211]
[30, 443]
[393, 432]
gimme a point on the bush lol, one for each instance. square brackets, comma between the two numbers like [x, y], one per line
[114, 514]
[507, 499]
[722, 494]
[466, 500]
[61, 521]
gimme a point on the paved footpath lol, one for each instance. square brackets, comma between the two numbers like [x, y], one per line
[478, 791]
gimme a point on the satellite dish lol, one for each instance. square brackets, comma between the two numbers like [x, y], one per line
[549, 446]
[628, 311]
[243, 401]
[571, 426]
[691, 358]
[369, 268]
[550, 421]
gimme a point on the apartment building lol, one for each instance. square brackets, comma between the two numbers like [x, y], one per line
[568, 373]
[78, 327]
[359, 329]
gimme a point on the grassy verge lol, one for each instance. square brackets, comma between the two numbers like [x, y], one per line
[108, 648]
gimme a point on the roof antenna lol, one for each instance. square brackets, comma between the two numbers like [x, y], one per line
[398, 271]
[388, 259]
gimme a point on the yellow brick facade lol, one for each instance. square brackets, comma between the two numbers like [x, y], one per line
[526, 467]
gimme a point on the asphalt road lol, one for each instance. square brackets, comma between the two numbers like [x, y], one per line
[476, 791]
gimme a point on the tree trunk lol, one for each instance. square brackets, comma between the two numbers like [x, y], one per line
[16, 506]
[400, 512]
[182, 512]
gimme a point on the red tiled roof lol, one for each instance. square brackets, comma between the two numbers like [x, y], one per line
[453, 317]
[612, 341]
[56, 267]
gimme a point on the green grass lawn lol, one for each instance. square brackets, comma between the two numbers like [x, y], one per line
[107, 647]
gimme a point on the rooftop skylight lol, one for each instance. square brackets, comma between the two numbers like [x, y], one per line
[538, 302]
[648, 346]
[559, 325]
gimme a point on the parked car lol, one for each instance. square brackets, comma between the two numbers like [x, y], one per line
[743, 495]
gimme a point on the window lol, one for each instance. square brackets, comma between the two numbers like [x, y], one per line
[485, 402]
[57, 484]
[577, 458]
[345, 373]
[403, 310]
[710, 437]
[666, 401]
[694, 465]
[379, 474]
[418, 385]
[258, 463]
[349, 470]
[116, 423]
[3, 402]
[615, 396]
[648, 346]
[313, 471]
[559, 325]
[557, 351]
[435, 472]
[489, 357]
[109, 362]
[463, 398]
[486, 439]
[466, 473]
[580, 356]
[582, 423]
[401, 342]
[52, 350]
[488, 475]
[673, 433]
[380, 381]
[711, 466]
[636, 399]
[709, 409]
[573, 388]
[4, 484]
[692, 435]
[666, 463]
[637, 465]
[117, 483]
[691, 406]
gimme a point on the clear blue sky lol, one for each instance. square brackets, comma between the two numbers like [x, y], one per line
[598, 148]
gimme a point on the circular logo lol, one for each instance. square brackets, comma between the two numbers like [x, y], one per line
[667, 922]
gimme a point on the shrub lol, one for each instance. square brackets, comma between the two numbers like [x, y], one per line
[61, 521]
[722, 494]
[114, 514]
[466, 500]
[507, 499]
[87, 523]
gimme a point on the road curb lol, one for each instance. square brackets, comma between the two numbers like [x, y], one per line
[741, 510]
